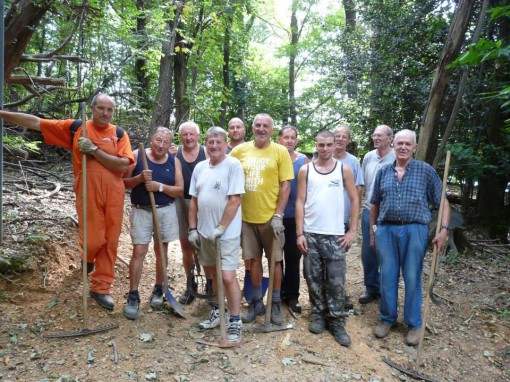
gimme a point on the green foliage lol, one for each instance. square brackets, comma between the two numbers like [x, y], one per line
[22, 144]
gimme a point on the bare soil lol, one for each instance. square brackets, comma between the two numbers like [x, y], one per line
[467, 338]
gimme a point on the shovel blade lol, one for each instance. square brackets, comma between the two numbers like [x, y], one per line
[176, 307]
[269, 328]
[223, 344]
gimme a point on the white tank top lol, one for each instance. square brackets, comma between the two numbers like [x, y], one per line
[324, 205]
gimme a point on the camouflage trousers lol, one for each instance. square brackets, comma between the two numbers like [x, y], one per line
[324, 268]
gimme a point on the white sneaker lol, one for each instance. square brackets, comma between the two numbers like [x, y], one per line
[213, 320]
[235, 331]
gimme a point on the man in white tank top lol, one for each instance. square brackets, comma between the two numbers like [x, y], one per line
[321, 235]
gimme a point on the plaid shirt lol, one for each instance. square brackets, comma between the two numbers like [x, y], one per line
[406, 201]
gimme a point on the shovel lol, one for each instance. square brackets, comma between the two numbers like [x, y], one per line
[224, 342]
[176, 307]
[267, 327]
[84, 331]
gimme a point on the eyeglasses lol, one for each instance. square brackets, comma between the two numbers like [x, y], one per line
[341, 136]
[379, 136]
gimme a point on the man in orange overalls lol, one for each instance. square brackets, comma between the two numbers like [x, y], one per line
[109, 156]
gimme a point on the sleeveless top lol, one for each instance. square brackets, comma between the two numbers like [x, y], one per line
[290, 208]
[161, 172]
[324, 205]
[188, 167]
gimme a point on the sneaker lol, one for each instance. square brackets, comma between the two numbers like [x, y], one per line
[131, 307]
[255, 309]
[104, 300]
[235, 331]
[276, 314]
[187, 297]
[340, 334]
[213, 320]
[318, 325]
[413, 336]
[382, 329]
[156, 300]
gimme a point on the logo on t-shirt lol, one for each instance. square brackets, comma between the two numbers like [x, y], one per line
[334, 183]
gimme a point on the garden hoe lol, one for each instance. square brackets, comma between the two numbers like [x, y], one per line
[85, 331]
[176, 307]
[224, 342]
[267, 327]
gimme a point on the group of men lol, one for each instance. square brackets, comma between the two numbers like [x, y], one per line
[231, 195]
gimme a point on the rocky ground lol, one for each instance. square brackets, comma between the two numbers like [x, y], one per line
[467, 337]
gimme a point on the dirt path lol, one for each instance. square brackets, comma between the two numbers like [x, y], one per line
[468, 338]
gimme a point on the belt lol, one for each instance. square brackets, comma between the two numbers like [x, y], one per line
[148, 207]
[395, 222]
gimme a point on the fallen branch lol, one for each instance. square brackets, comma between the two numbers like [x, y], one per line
[314, 361]
[48, 194]
[411, 373]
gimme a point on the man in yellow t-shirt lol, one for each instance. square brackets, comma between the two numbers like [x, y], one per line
[267, 170]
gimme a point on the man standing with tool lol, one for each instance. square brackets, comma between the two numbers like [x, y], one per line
[382, 155]
[321, 235]
[164, 179]
[268, 170]
[403, 192]
[109, 155]
[215, 224]
[190, 153]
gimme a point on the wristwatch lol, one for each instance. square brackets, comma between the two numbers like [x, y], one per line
[160, 187]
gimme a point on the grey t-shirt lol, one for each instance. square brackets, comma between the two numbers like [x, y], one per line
[351, 161]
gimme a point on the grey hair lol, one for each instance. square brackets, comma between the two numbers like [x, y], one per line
[404, 132]
[163, 130]
[216, 131]
[98, 95]
[343, 127]
[389, 130]
[264, 115]
[189, 124]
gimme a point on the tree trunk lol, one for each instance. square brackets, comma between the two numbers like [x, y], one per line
[429, 126]
[226, 73]
[180, 74]
[141, 73]
[294, 38]
[20, 24]
[163, 105]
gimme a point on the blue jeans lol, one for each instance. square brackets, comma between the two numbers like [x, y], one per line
[369, 257]
[401, 247]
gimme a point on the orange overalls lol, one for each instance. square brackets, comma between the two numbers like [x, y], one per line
[105, 194]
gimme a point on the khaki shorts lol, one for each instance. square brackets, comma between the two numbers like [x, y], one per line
[256, 238]
[182, 206]
[229, 253]
[142, 225]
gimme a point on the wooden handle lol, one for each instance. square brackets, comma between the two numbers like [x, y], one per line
[84, 215]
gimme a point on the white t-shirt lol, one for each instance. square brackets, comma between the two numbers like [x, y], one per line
[324, 205]
[212, 186]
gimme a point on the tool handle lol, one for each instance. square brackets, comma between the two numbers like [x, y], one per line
[84, 216]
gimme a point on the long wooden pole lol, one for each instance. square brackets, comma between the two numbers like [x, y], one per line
[84, 217]
[434, 263]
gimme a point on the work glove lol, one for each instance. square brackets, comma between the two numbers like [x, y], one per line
[194, 238]
[216, 234]
[86, 146]
[277, 224]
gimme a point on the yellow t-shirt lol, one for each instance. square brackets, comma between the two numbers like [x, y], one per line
[264, 169]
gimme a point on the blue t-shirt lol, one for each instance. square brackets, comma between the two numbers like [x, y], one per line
[163, 173]
[290, 208]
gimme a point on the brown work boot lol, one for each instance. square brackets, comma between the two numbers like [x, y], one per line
[413, 336]
[382, 329]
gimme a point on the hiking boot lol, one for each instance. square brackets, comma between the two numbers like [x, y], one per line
[294, 305]
[213, 320]
[382, 329]
[131, 307]
[156, 300]
[276, 314]
[413, 336]
[104, 300]
[318, 325]
[348, 305]
[367, 298]
[187, 297]
[235, 331]
[255, 309]
[340, 334]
